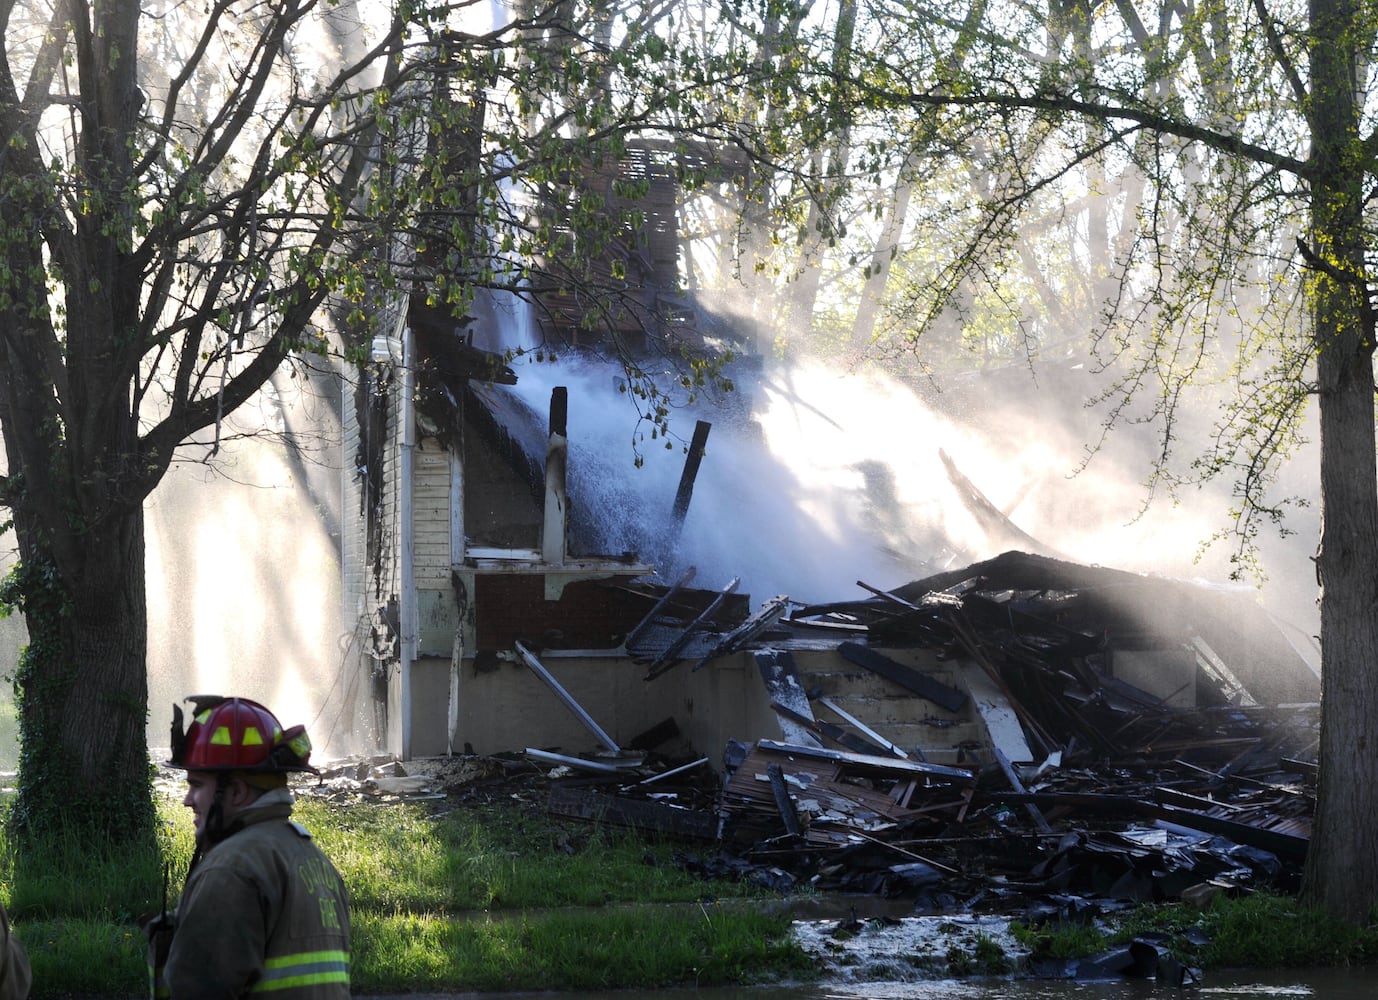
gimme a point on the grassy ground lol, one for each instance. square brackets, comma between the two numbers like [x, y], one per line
[487, 897]
[497, 895]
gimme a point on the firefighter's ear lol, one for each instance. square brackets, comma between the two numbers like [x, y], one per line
[238, 792]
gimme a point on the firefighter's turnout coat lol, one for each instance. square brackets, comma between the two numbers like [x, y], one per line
[15, 975]
[264, 912]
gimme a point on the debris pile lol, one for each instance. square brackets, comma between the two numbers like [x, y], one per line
[1138, 740]
[1146, 739]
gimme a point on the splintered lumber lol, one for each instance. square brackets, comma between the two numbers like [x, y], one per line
[906, 677]
[765, 616]
[665, 599]
[668, 658]
[831, 731]
[823, 788]
[781, 679]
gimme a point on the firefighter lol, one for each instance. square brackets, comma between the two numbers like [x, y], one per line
[263, 910]
[15, 974]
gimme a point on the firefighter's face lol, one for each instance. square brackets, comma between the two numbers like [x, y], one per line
[200, 795]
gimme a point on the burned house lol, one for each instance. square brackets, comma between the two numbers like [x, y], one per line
[462, 543]
[475, 572]
[1009, 694]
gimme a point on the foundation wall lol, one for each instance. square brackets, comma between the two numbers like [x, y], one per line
[506, 706]
[510, 707]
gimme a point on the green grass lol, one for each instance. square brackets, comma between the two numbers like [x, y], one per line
[84, 880]
[75, 956]
[638, 946]
[1061, 941]
[396, 858]
[76, 904]
[480, 898]
[502, 896]
[1260, 930]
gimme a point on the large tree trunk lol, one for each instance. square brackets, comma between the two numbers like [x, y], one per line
[84, 693]
[1342, 864]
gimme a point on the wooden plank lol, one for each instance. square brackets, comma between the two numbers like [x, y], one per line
[540, 671]
[883, 765]
[904, 791]
[887, 595]
[783, 803]
[1214, 667]
[936, 865]
[578, 763]
[830, 731]
[906, 677]
[862, 728]
[997, 526]
[640, 814]
[1289, 845]
[674, 771]
[1013, 778]
[1006, 733]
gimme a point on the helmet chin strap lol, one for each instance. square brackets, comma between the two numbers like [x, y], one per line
[212, 826]
[214, 829]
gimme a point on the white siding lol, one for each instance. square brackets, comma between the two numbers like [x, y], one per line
[431, 513]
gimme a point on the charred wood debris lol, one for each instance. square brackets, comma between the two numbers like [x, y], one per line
[1126, 796]
[1090, 794]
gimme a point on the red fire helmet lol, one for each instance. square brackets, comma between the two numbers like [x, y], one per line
[236, 734]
